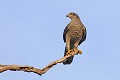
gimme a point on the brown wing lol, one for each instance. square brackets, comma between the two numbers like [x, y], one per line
[65, 31]
[84, 35]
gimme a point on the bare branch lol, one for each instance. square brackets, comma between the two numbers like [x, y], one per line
[27, 68]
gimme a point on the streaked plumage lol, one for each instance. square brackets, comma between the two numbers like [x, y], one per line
[74, 34]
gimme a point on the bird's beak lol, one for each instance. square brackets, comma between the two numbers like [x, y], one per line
[67, 15]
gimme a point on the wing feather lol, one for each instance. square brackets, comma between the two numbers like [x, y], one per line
[65, 31]
[84, 35]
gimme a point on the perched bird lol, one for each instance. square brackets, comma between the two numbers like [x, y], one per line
[74, 34]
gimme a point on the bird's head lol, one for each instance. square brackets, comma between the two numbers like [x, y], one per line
[72, 15]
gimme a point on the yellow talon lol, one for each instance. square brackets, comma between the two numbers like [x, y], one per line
[79, 51]
[69, 51]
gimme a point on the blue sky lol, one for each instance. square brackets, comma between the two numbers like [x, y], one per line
[31, 33]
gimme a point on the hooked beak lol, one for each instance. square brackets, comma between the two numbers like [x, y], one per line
[67, 15]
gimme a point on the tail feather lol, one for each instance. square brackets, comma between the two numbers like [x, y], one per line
[69, 60]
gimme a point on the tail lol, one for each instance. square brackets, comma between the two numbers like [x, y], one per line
[69, 60]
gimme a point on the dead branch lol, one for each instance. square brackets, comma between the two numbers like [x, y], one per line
[26, 68]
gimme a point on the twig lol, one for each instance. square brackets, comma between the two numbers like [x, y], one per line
[27, 68]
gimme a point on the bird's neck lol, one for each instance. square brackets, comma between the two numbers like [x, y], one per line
[75, 20]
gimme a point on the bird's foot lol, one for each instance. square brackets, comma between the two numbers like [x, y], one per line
[79, 51]
[69, 52]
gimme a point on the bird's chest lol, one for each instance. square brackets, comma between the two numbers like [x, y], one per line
[75, 31]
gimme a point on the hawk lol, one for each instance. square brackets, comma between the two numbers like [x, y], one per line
[74, 34]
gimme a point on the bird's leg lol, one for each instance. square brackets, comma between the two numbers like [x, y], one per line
[76, 49]
[68, 45]
[79, 51]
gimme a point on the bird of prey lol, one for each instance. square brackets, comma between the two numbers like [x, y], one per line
[74, 34]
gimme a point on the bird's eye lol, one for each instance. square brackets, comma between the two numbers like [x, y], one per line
[71, 13]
